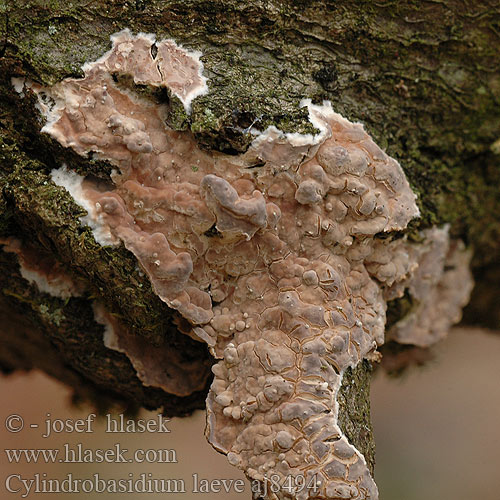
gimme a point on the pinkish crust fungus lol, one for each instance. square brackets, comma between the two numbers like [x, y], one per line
[440, 286]
[155, 366]
[41, 270]
[277, 267]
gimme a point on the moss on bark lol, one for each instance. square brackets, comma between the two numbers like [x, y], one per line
[422, 76]
[354, 410]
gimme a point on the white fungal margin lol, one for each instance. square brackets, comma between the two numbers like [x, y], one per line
[178, 79]
[73, 183]
[42, 272]
[18, 84]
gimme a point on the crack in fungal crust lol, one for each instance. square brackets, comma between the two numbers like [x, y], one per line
[272, 256]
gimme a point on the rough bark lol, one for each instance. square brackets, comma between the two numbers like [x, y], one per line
[422, 76]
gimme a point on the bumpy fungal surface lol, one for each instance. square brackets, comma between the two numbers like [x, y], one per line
[440, 286]
[272, 256]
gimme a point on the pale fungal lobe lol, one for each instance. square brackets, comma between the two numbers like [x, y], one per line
[272, 255]
[155, 366]
[40, 270]
[440, 286]
[73, 183]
